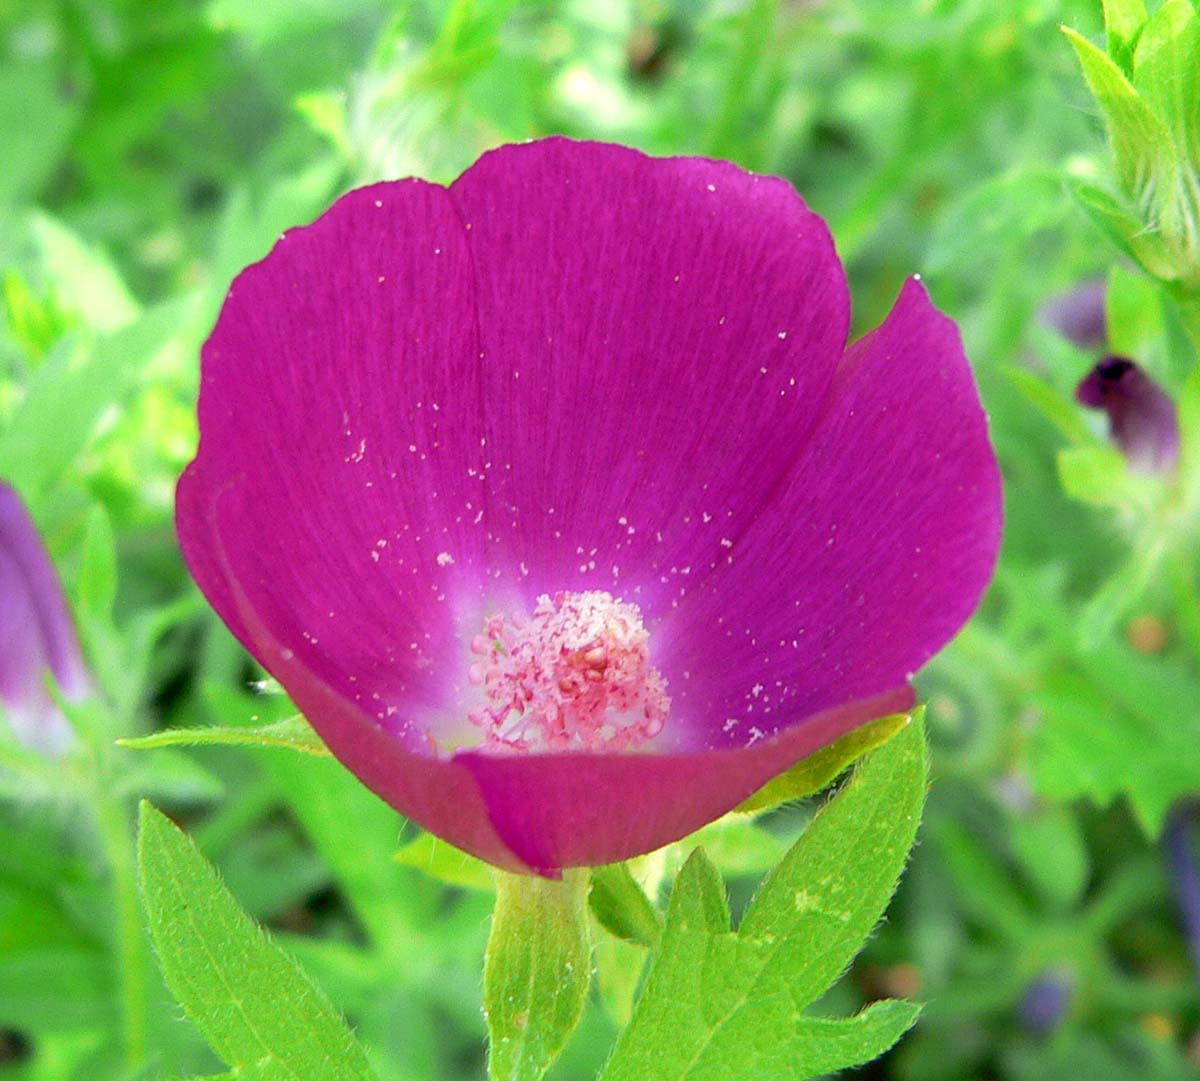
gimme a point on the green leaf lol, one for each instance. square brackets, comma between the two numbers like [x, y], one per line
[622, 907]
[1166, 72]
[443, 861]
[1141, 143]
[98, 574]
[67, 396]
[536, 972]
[823, 900]
[1122, 725]
[1054, 406]
[1189, 437]
[719, 1004]
[85, 279]
[818, 770]
[1123, 21]
[37, 112]
[1123, 589]
[1050, 844]
[824, 1045]
[1133, 313]
[1096, 475]
[253, 1004]
[292, 732]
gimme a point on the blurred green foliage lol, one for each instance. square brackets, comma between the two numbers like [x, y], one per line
[152, 150]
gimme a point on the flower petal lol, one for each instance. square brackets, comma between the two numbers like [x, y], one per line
[658, 335]
[340, 412]
[870, 557]
[1142, 417]
[583, 810]
[37, 634]
[542, 813]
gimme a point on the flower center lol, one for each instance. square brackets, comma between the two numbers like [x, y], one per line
[576, 675]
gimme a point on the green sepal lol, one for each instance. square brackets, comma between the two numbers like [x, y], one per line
[292, 732]
[818, 770]
[1126, 230]
[1141, 143]
[622, 907]
[258, 1010]
[536, 972]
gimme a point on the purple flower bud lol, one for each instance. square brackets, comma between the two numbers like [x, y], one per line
[1141, 415]
[1045, 1002]
[1079, 314]
[36, 634]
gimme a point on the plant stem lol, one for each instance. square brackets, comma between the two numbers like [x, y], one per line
[115, 823]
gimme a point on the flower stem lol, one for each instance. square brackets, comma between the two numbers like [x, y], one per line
[115, 824]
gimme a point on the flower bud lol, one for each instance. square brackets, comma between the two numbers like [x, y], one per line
[36, 634]
[1142, 418]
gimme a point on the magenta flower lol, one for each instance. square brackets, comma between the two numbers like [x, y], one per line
[1142, 418]
[558, 505]
[36, 634]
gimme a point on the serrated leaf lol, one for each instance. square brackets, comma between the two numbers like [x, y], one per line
[622, 907]
[294, 732]
[536, 972]
[1122, 725]
[811, 774]
[823, 1044]
[254, 1005]
[719, 1004]
[448, 864]
[1141, 143]
[823, 900]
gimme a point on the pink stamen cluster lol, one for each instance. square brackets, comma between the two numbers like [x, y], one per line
[576, 675]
